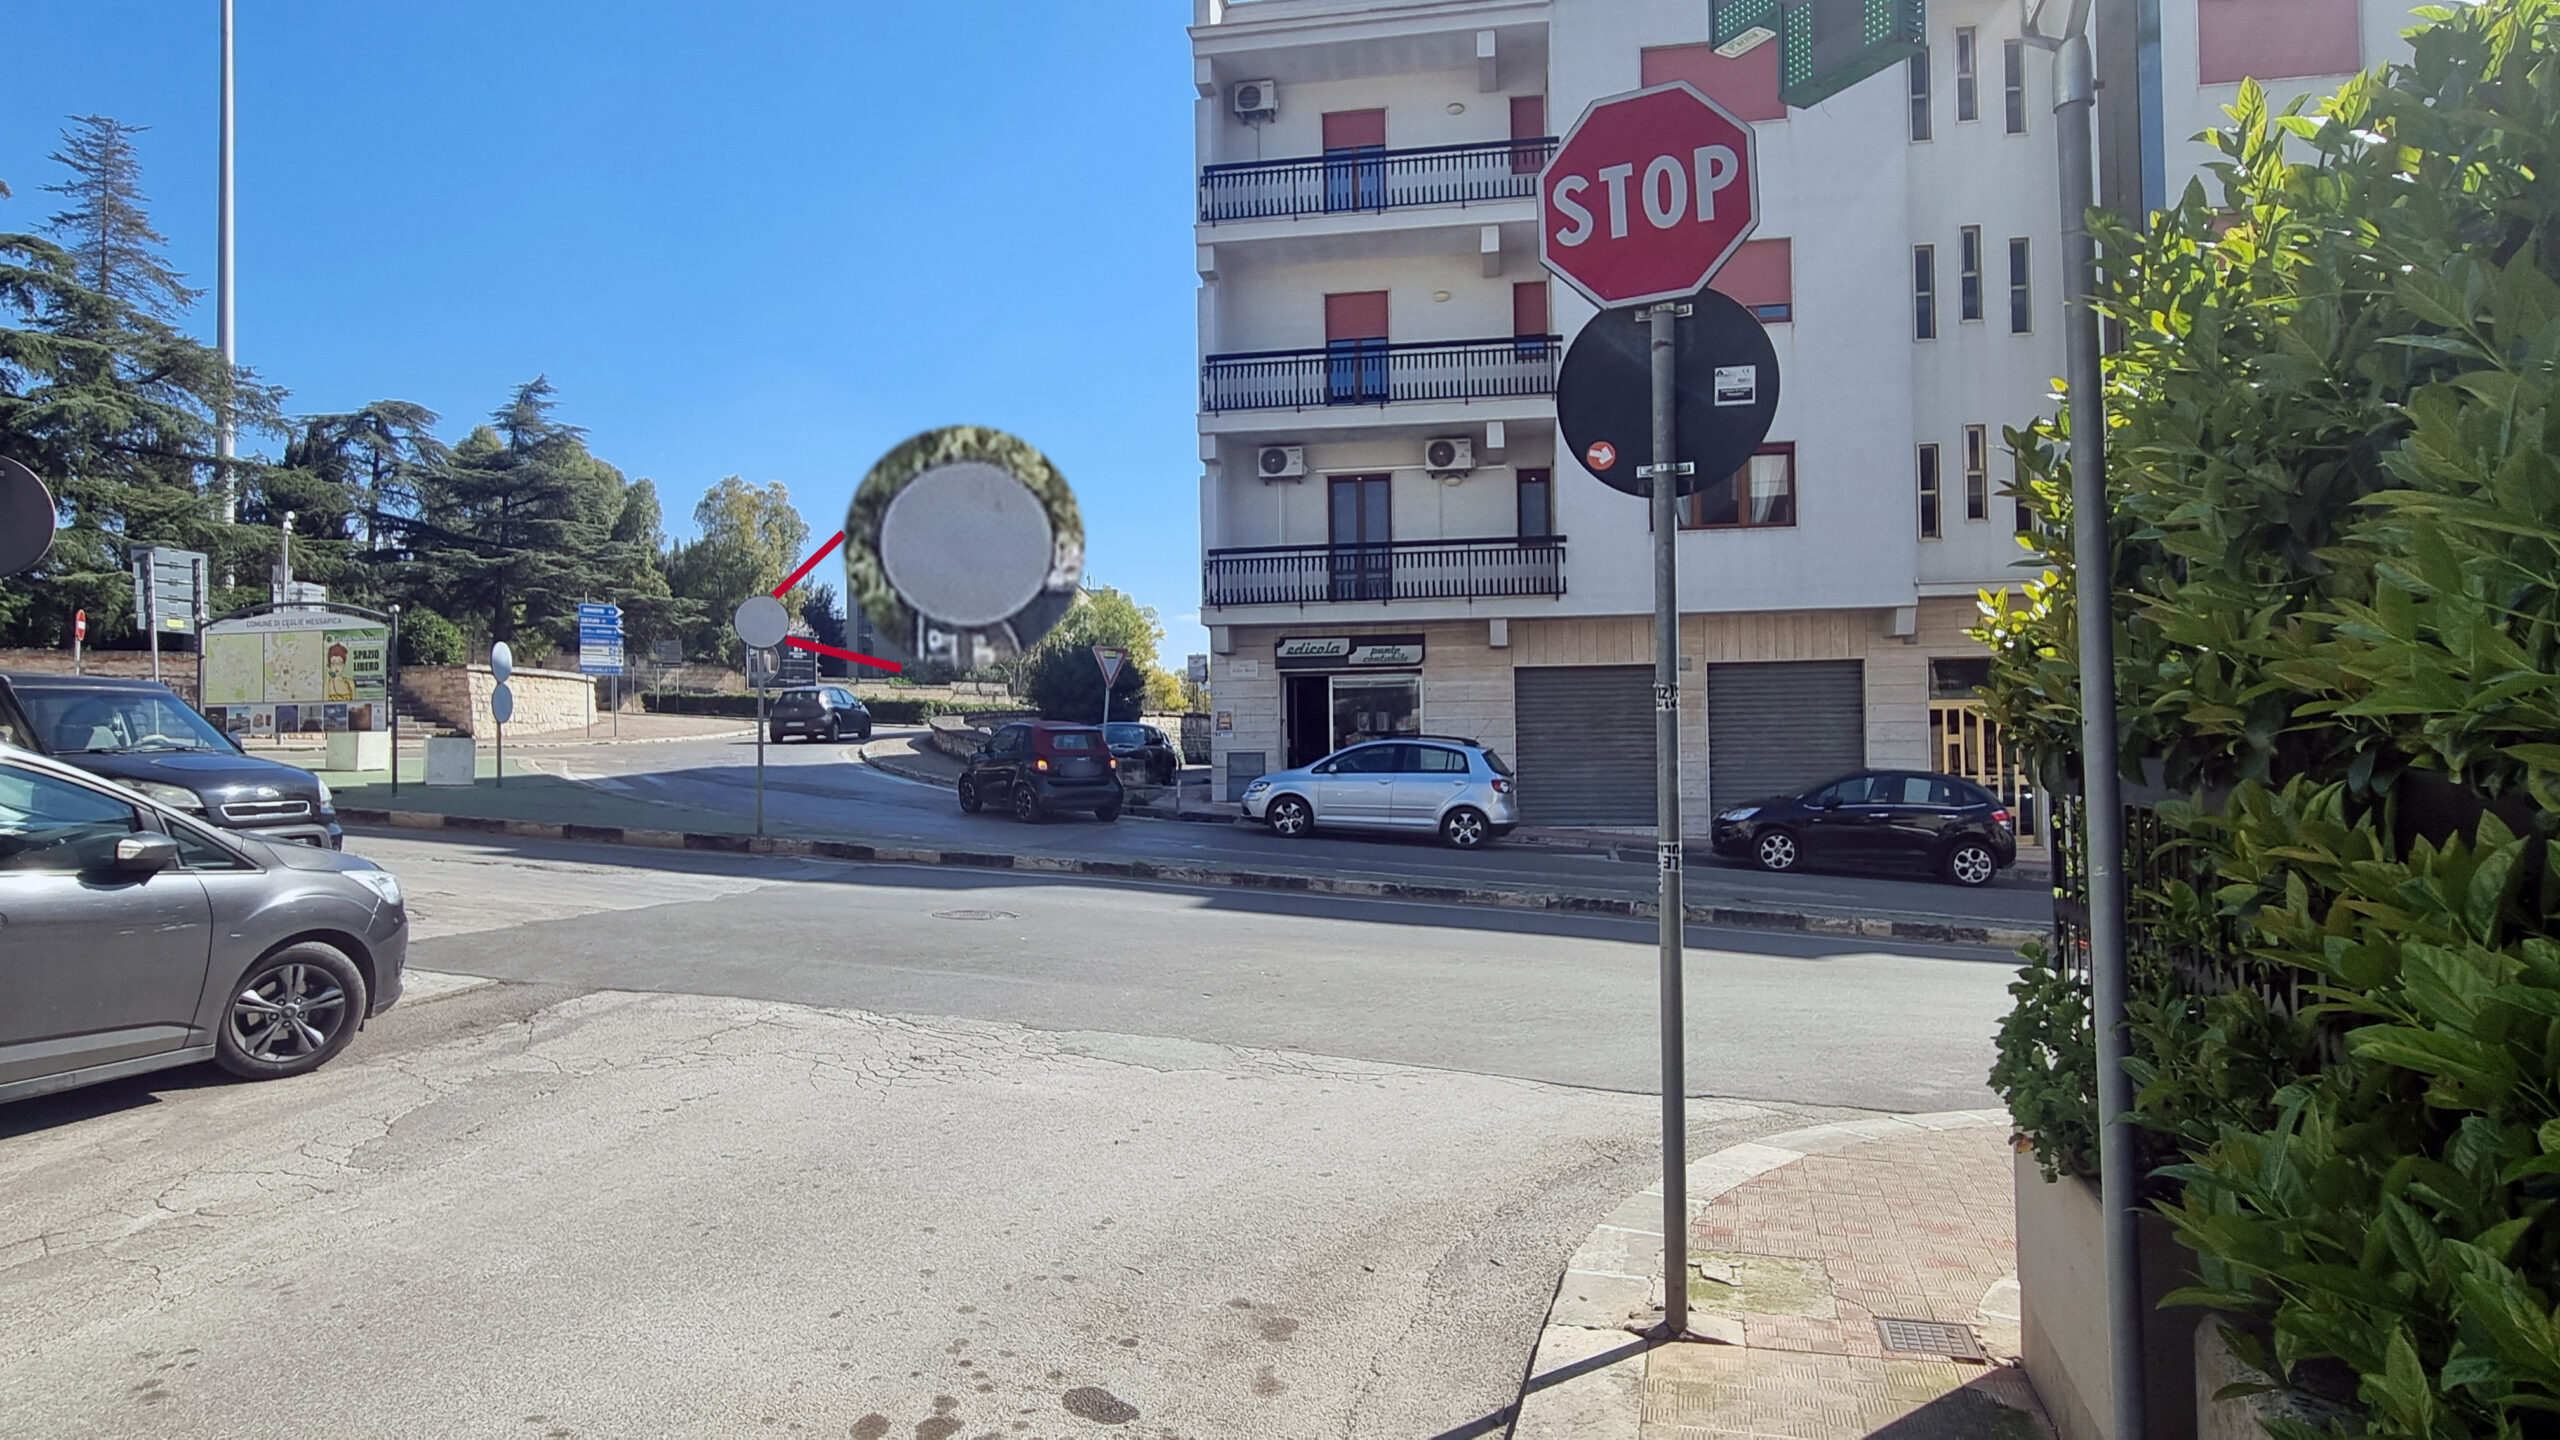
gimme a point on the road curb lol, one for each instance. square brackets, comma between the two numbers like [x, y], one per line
[1508, 896]
[1617, 1273]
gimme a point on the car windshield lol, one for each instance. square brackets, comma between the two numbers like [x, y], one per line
[75, 722]
[1126, 734]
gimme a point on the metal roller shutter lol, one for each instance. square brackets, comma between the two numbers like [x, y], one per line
[1776, 727]
[1586, 744]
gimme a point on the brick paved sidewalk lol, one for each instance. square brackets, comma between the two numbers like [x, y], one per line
[1798, 1246]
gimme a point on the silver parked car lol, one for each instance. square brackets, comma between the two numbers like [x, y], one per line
[133, 938]
[1422, 782]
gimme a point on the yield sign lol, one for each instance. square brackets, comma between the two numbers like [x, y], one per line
[1110, 658]
[1648, 196]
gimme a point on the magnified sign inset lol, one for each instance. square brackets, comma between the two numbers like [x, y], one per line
[26, 518]
[964, 545]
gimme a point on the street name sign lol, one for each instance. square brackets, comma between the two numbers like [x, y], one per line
[1650, 193]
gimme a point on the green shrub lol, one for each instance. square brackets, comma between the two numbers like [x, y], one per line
[2337, 572]
[427, 638]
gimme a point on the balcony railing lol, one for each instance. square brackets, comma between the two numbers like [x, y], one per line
[1400, 570]
[1374, 372]
[1354, 180]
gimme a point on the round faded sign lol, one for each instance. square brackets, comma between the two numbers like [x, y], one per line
[963, 545]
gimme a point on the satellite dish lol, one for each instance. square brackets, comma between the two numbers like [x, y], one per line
[965, 543]
[27, 518]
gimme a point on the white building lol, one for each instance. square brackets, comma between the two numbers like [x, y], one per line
[1391, 539]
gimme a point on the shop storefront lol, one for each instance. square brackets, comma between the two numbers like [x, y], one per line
[1338, 690]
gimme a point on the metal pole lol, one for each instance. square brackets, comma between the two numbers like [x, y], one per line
[226, 338]
[2102, 804]
[757, 680]
[79, 622]
[1666, 799]
[391, 695]
[151, 608]
[502, 752]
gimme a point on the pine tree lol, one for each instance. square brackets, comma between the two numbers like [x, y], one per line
[107, 229]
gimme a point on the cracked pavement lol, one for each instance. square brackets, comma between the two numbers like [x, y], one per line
[915, 1181]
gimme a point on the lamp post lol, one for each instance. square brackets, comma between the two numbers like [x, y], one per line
[225, 337]
[2075, 94]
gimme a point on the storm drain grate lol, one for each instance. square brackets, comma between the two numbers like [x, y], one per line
[1929, 1337]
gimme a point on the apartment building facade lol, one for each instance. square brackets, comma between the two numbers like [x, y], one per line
[1395, 542]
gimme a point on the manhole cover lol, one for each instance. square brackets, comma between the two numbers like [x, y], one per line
[974, 915]
[1929, 1337]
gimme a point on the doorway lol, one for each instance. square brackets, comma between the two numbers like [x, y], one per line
[1361, 527]
[1309, 719]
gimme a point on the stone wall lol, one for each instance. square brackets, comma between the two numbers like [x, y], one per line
[458, 696]
[177, 667]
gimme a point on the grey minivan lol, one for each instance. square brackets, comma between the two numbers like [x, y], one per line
[133, 938]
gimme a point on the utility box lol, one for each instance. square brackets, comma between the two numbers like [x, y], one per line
[452, 760]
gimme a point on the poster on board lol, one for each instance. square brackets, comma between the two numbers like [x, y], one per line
[323, 666]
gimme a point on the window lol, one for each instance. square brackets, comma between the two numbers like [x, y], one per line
[1762, 276]
[1371, 760]
[1924, 292]
[48, 823]
[2013, 85]
[1968, 97]
[1363, 567]
[1537, 504]
[1977, 473]
[1761, 493]
[1929, 492]
[1355, 340]
[2276, 39]
[2018, 487]
[1746, 84]
[1529, 308]
[1355, 168]
[1969, 273]
[1919, 65]
[198, 850]
[1432, 760]
[2021, 314]
[1962, 677]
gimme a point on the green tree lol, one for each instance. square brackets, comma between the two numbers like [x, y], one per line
[1060, 675]
[115, 409]
[751, 537]
[107, 229]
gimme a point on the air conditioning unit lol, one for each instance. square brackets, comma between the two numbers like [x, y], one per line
[1449, 455]
[1256, 98]
[1281, 462]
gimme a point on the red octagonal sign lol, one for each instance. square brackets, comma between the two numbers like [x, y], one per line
[1648, 196]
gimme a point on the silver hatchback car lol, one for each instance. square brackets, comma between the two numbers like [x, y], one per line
[1426, 783]
[133, 938]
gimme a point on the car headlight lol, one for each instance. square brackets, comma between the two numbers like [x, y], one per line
[1743, 813]
[380, 882]
[326, 799]
[1257, 787]
[176, 797]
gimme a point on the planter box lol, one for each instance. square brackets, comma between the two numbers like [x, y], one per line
[452, 760]
[359, 750]
[2062, 1293]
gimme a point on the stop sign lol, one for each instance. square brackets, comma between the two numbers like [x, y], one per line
[1651, 192]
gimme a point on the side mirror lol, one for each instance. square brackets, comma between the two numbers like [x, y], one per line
[1324, 769]
[144, 854]
[1831, 802]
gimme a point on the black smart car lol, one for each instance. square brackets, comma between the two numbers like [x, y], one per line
[1953, 827]
[1038, 767]
[1145, 750]
[139, 734]
[817, 712]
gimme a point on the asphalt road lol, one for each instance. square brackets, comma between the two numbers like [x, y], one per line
[827, 787]
[763, 1148]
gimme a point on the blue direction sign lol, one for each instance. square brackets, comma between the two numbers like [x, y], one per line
[599, 639]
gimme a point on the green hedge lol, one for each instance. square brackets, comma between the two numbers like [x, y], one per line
[2335, 475]
[900, 711]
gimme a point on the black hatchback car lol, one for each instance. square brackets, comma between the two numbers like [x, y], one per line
[1144, 749]
[1038, 767]
[139, 734]
[1953, 827]
[817, 712]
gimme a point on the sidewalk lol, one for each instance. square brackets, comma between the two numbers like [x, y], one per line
[1801, 1247]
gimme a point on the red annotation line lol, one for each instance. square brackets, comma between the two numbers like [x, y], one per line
[811, 564]
[838, 651]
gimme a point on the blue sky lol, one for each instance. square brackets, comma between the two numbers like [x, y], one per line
[769, 239]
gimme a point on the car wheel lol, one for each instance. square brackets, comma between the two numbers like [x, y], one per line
[774, 735]
[971, 802]
[1290, 819]
[1106, 813]
[1776, 851]
[835, 731]
[1026, 806]
[1465, 828]
[862, 734]
[1971, 864]
[1164, 773]
[291, 1012]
